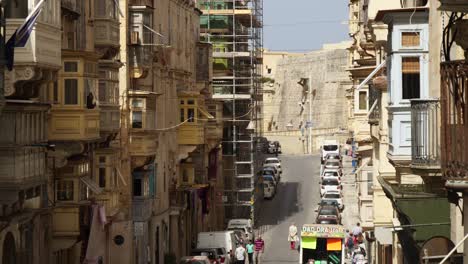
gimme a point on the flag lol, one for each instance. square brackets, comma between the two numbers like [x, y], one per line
[21, 35]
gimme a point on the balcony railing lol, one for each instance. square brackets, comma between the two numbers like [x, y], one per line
[454, 109]
[425, 133]
[453, 5]
[375, 96]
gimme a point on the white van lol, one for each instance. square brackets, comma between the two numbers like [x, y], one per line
[225, 239]
[243, 225]
[329, 147]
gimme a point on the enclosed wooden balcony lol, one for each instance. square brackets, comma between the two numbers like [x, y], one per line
[425, 134]
[191, 134]
[106, 24]
[75, 113]
[68, 220]
[454, 109]
[194, 117]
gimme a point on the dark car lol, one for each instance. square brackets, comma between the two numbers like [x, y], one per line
[215, 255]
[328, 212]
[327, 221]
[325, 202]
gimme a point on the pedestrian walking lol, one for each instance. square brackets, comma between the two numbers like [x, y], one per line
[357, 233]
[240, 254]
[349, 244]
[250, 251]
[259, 249]
[292, 237]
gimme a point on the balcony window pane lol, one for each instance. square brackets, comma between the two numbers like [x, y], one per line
[55, 93]
[16, 9]
[182, 116]
[137, 103]
[101, 8]
[102, 92]
[137, 187]
[70, 66]
[102, 177]
[71, 91]
[362, 100]
[191, 114]
[137, 119]
[411, 82]
[410, 39]
[65, 190]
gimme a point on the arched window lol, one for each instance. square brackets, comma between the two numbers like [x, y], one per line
[9, 250]
[16, 9]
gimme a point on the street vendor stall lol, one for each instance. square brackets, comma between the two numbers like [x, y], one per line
[322, 244]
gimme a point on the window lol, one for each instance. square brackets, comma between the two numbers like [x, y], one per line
[182, 115]
[137, 187]
[137, 119]
[269, 70]
[65, 190]
[362, 100]
[16, 9]
[411, 82]
[137, 103]
[71, 91]
[410, 39]
[191, 114]
[70, 66]
[188, 111]
[55, 92]
[102, 177]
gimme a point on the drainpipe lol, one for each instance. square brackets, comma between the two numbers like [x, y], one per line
[2, 55]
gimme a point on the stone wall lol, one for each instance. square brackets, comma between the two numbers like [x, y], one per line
[326, 69]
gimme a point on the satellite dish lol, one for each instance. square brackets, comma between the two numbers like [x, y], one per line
[435, 246]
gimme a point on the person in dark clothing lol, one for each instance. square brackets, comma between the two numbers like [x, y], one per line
[90, 104]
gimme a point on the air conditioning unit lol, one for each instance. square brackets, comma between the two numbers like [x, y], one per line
[134, 37]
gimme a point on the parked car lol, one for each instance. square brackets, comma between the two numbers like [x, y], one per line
[328, 212]
[330, 174]
[273, 162]
[271, 147]
[326, 221]
[332, 164]
[329, 185]
[333, 156]
[215, 255]
[242, 224]
[334, 196]
[269, 190]
[225, 239]
[270, 178]
[195, 260]
[329, 147]
[271, 171]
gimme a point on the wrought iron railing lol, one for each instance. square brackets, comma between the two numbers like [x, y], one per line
[425, 133]
[375, 97]
[454, 110]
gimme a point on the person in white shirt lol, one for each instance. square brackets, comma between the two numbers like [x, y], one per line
[240, 254]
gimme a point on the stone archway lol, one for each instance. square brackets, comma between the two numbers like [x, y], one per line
[9, 249]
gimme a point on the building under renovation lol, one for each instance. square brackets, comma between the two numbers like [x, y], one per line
[234, 28]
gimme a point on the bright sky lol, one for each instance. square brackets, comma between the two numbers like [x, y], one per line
[298, 25]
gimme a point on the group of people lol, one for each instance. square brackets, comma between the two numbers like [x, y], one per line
[251, 250]
[356, 250]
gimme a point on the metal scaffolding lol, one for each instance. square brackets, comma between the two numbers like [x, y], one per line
[235, 28]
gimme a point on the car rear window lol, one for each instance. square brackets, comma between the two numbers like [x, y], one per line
[330, 173]
[330, 182]
[268, 172]
[332, 195]
[271, 161]
[327, 212]
[333, 163]
[330, 147]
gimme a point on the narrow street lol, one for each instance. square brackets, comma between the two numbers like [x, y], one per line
[295, 201]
